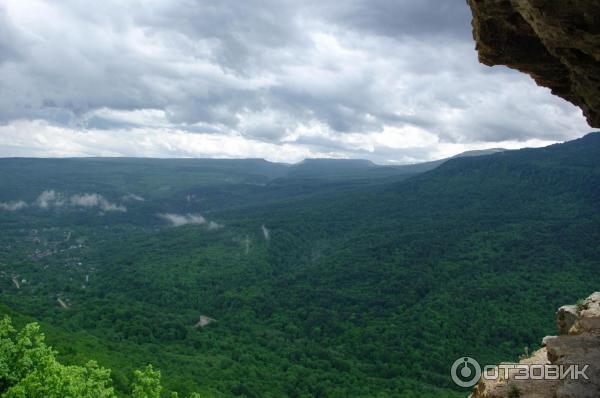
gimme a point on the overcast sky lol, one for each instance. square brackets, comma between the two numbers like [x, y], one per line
[394, 81]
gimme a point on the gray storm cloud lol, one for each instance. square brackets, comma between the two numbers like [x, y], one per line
[382, 79]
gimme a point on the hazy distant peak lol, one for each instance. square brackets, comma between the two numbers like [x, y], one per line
[336, 161]
[480, 152]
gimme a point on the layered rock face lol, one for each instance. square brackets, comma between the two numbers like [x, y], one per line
[557, 42]
[578, 343]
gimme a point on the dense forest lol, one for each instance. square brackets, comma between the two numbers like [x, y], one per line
[244, 278]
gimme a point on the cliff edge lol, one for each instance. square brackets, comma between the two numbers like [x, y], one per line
[556, 42]
[578, 343]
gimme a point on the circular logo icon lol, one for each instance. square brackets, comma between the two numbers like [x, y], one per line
[465, 372]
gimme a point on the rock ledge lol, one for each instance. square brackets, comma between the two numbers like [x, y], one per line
[578, 343]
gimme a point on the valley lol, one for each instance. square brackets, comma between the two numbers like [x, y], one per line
[338, 279]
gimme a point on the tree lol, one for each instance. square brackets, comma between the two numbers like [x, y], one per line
[147, 383]
[29, 369]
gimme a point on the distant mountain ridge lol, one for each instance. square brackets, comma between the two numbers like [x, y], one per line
[321, 167]
[256, 169]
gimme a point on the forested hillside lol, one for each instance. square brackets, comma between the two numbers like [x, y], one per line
[313, 280]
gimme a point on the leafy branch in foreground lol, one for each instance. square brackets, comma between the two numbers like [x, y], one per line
[28, 368]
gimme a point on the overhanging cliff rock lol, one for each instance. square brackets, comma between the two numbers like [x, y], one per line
[556, 42]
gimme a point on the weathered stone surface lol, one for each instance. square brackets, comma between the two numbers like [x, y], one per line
[532, 389]
[566, 317]
[580, 345]
[204, 321]
[556, 42]
[589, 316]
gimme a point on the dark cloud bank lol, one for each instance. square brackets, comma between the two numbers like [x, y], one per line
[389, 80]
